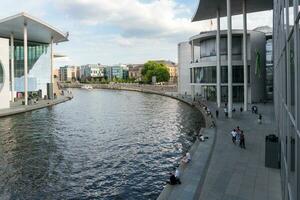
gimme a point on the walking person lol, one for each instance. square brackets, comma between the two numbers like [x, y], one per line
[233, 136]
[217, 113]
[259, 119]
[242, 140]
[238, 136]
[225, 112]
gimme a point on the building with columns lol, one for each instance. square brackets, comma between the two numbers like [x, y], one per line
[286, 62]
[26, 57]
[202, 66]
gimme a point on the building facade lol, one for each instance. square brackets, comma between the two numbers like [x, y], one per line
[68, 73]
[26, 57]
[92, 71]
[201, 63]
[286, 41]
[116, 72]
[135, 71]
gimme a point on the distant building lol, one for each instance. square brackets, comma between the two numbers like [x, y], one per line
[68, 73]
[135, 71]
[172, 68]
[116, 72]
[92, 71]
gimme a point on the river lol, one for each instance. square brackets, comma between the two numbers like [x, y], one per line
[103, 144]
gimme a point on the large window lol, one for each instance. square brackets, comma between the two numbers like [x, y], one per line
[208, 46]
[237, 74]
[35, 50]
[205, 75]
[237, 93]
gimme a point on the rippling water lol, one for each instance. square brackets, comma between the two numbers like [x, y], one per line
[101, 145]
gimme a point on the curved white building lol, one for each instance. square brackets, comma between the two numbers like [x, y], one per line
[26, 57]
[204, 66]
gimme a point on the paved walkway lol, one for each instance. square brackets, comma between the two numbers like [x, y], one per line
[238, 174]
[17, 107]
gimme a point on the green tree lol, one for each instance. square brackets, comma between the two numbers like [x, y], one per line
[152, 68]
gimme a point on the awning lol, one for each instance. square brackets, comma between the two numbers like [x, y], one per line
[37, 30]
[207, 9]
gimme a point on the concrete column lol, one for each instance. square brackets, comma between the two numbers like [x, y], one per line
[51, 69]
[25, 65]
[245, 56]
[12, 67]
[218, 37]
[193, 92]
[193, 50]
[229, 57]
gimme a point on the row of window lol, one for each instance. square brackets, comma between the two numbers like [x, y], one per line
[209, 74]
[208, 46]
[287, 90]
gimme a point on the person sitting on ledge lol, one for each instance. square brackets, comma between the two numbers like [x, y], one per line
[177, 175]
[201, 138]
[187, 158]
[172, 180]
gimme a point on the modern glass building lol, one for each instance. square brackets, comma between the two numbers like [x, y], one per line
[27, 57]
[286, 78]
[116, 72]
[203, 66]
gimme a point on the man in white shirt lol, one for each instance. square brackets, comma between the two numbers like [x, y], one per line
[233, 134]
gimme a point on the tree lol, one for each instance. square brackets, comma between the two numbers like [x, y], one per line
[152, 68]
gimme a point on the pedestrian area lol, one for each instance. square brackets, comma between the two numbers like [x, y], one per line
[240, 174]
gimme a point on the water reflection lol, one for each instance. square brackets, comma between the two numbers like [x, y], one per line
[102, 144]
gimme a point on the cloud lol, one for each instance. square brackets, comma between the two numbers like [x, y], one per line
[133, 18]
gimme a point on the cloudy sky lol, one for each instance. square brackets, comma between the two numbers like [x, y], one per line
[121, 31]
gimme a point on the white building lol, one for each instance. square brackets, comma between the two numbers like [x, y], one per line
[198, 67]
[26, 57]
[89, 71]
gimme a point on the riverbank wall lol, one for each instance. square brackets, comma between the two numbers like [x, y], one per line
[194, 173]
[17, 108]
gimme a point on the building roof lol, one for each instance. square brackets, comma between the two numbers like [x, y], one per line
[207, 9]
[37, 30]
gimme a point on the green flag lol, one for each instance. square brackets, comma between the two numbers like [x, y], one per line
[258, 65]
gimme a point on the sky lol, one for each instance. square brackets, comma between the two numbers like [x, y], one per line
[122, 31]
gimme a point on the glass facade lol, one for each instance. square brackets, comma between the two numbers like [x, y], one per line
[208, 46]
[35, 50]
[237, 93]
[237, 74]
[287, 93]
[205, 75]
[38, 66]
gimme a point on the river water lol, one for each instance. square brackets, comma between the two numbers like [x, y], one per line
[101, 145]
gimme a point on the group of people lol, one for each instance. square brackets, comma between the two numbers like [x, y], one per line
[238, 137]
[175, 176]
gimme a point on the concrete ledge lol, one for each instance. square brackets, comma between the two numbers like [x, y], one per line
[40, 105]
[192, 174]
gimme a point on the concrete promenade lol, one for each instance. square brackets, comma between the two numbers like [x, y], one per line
[17, 107]
[231, 173]
[240, 174]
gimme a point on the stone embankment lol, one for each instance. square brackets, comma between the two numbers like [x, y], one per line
[17, 107]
